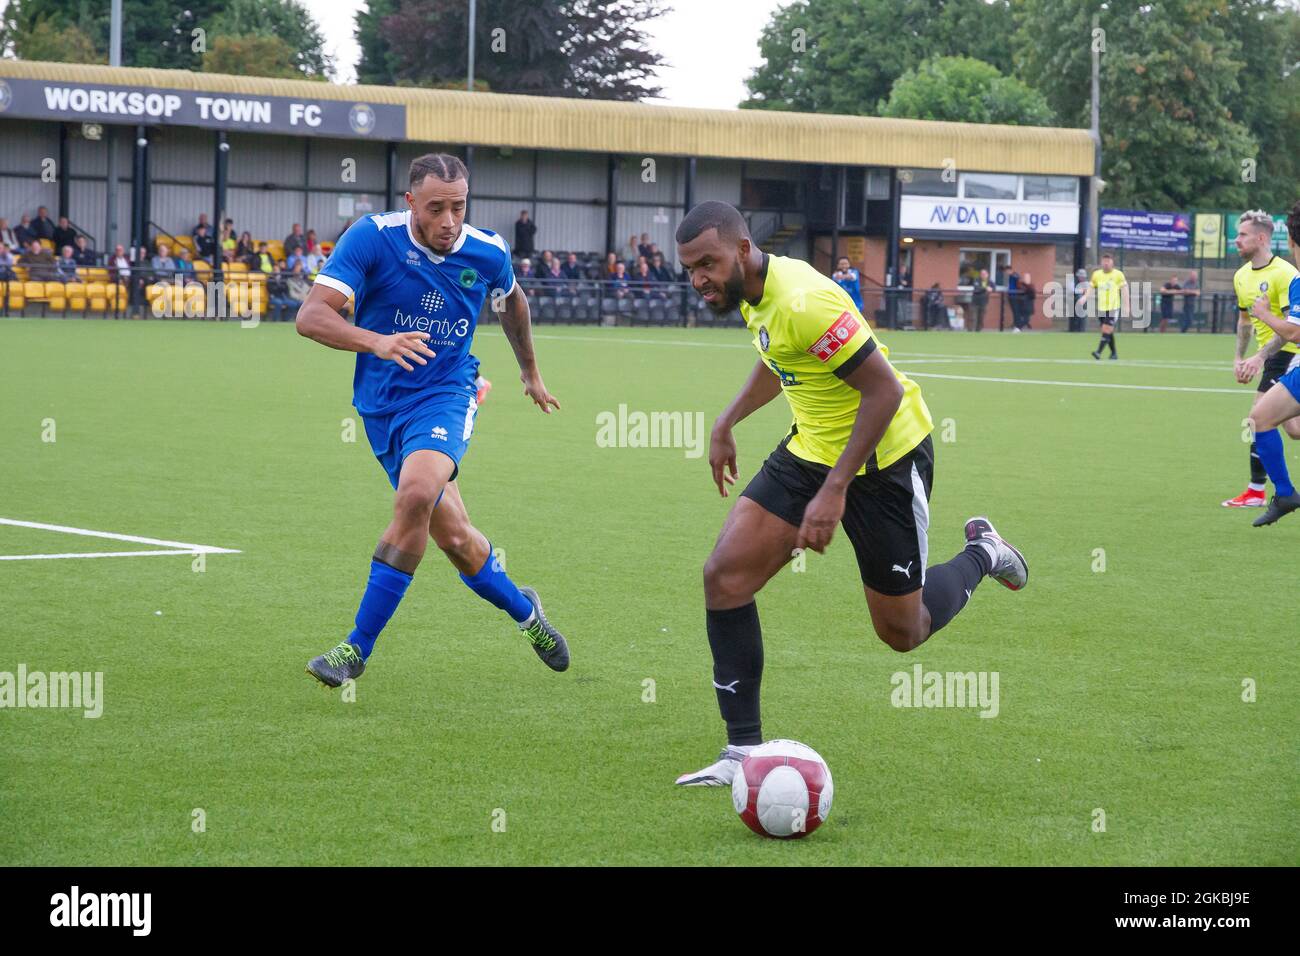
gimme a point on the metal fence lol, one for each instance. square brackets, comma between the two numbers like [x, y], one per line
[237, 293]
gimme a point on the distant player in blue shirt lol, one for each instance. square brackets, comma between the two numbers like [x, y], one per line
[847, 278]
[1281, 402]
[419, 279]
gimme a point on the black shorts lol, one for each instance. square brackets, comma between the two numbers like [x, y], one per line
[1274, 368]
[1109, 318]
[886, 513]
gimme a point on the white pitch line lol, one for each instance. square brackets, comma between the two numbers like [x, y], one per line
[1039, 381]
[105, 554]
[902, 357]
[180, 546]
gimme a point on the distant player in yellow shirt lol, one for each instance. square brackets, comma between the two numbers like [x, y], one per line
[858, 454]
[1110, 288]
[1262, 275]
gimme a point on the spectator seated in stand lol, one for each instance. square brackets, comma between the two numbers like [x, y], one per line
[65, 269]
[204, 244]
[84, 255]
[39, 262]
[619, 282]
[64, 234]
[163, 265]
[42, 226]
[24, 233]
[185, 267]
[295, 241]
[7, 262]
[571, 269]
[265, 264]
[524, 273]
[7, 236]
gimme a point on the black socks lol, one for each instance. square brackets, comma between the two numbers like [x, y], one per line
[737, 644]
[948, 586]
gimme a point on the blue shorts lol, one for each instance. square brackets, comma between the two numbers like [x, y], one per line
[1292, 382]
[442, 422]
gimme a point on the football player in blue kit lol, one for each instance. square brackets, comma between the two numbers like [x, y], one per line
[419, 278]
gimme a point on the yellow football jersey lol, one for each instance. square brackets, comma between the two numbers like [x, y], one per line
[807, 329]
[1108, 285]
[1272, 280]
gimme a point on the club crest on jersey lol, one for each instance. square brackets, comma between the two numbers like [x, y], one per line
[468, 277]
[1263, 287]
[835, 337]
[764, 340]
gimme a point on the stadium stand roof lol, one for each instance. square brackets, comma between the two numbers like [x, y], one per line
[534, 122]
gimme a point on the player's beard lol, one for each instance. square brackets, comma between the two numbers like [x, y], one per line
[731, 293]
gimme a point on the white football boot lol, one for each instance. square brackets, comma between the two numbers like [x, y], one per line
[718, 774]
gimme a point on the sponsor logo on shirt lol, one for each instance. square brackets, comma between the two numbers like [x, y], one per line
[835, 337]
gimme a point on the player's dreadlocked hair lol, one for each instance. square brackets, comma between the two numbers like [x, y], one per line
[440, 166]
[1257, 218]
[713, 215]
[1293, 223]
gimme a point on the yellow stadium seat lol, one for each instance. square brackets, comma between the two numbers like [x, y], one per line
[195, 301]
[53, 289]
[186, 241]
[16, 300]
[76, 292]
[47, 244]
[35, 291]
[236, 266]
[96, 275]
[20, 272]
[56, 303]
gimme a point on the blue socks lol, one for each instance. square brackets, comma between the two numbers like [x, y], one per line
[494, 586]
[387, 585]
[384, 592]
[1268, 445]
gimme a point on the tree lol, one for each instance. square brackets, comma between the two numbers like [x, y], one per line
[1169, 72]
[376, 64]
[162, 33]
[155, 33]
[285, 20]
[843, 56]
[45, 40]
[962, 90]
[1268, 96]
[590, 48]
[251, 54]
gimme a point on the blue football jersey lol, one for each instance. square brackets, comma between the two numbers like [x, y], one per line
[1293, 294]
[401, 285]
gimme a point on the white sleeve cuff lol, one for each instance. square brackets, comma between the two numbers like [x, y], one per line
[337, 285]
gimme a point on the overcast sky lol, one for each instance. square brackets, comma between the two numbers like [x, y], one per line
[710, 46]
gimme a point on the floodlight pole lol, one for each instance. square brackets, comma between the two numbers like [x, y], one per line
[114, 59]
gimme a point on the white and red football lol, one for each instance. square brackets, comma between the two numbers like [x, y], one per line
[783, 789]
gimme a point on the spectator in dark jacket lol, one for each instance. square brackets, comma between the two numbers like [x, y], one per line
[525, 231]
[24, 233]
[42, 225]
[1028, 293]
[204, 244]
[7, 262]
[936, 313]
[295, 241]
[64, 234]
[84, 255]
[571, 269]
[660, 269]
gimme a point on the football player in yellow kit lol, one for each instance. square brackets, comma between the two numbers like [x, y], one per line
[859, 454]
